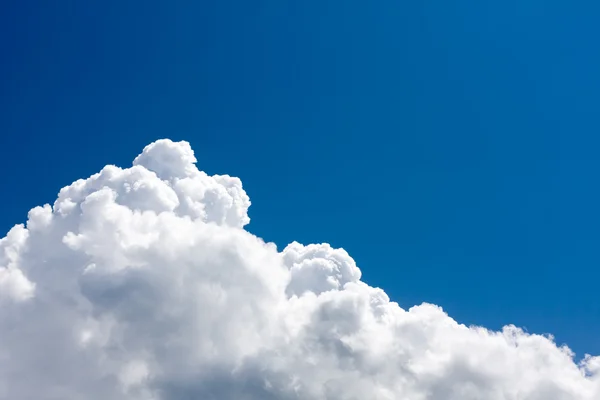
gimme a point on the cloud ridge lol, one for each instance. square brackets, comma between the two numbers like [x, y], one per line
[142, 283]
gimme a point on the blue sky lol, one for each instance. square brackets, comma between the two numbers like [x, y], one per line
[452, 149]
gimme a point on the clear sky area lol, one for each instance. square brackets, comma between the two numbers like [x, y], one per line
[451, 147]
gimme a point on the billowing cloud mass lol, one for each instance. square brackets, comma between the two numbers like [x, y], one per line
[142, 284]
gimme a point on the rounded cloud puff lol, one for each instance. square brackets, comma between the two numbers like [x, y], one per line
[141, 283]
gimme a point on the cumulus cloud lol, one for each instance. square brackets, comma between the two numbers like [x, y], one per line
[142, 283]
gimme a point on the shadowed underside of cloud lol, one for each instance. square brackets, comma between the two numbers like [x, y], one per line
[141, 283]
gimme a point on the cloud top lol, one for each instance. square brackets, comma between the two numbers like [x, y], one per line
[141, 283]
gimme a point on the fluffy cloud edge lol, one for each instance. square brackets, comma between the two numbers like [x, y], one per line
[145, 285]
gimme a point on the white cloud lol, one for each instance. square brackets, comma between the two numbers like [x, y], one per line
[142, 284]
[13, 284]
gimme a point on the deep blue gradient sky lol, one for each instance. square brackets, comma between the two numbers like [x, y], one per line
[451, 147]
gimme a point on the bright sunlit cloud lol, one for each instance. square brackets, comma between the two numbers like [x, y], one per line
[141, 283]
